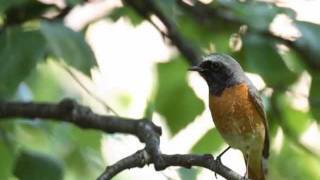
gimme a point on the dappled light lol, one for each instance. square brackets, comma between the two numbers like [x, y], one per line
[101, 89]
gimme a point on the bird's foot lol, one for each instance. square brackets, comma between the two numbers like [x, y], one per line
[218, 159]
[245, 177]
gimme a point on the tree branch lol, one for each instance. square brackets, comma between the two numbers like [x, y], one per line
[205, 14]
[184, 46]
[141, 158]
[138, 159]
[69, 111]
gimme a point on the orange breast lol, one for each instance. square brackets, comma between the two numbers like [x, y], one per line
[235, 115]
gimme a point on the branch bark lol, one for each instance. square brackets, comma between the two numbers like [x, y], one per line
[141, 158]
[69, 111]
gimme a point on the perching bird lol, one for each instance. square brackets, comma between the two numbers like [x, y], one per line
[237, 111]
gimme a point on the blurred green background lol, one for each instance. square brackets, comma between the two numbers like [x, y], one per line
[131, 56]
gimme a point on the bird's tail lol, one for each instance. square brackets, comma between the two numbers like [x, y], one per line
[257, 167]
[256, 173]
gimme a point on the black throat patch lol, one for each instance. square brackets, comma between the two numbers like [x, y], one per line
[217, 89]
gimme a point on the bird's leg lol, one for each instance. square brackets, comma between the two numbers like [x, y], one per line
[218, 158]
[246, 174]
[222, 153]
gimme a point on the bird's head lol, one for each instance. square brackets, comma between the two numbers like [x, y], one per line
[219, 71]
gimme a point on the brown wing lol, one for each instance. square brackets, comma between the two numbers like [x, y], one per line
[255, 97]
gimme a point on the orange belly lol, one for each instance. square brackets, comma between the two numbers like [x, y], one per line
[236, 117]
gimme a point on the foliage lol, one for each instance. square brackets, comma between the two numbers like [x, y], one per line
[172, 80]
[16, 66]
[254, 62]
[31, 46]
[37, 166]
[68, 45]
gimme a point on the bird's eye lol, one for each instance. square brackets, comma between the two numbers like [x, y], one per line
[215, 66]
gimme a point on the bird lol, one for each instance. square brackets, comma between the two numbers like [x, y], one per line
[237, 111]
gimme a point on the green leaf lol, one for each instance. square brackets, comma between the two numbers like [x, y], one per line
[76, 162]
[83, 164]
[210, 142]
[74, 2]
[148, 112]
[262, 57]
[32, 165]
[308, 43]
[293, 61]
[188, 174]
[256, 14]
[7, 156]
[128, 12]
[5, 4]
[26, 11]
[175, 100]
[33, 135]
[84, 157]
[19, 52]
[8, 148]
[202, 36]
[45, 74]
[296, 120]
[293, 163]
[87, 139]
[68, 45]
[68, 137]
[314, 97]
[168, 7]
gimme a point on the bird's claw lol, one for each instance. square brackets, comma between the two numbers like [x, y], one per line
[244, 178]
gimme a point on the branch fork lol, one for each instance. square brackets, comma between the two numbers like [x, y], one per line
[146, 131]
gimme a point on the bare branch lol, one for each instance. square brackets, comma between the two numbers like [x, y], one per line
[138, 159]
[141, 158]
[69, 111]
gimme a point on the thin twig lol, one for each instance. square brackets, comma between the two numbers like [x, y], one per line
[141, 158]
[95, 97]
[184, 46]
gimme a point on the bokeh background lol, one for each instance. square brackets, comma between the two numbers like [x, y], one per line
[120, 54]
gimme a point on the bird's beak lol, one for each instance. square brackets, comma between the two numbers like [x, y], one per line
[196, 68]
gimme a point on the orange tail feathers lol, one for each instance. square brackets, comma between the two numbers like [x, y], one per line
[257, 168]
[256, 173]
